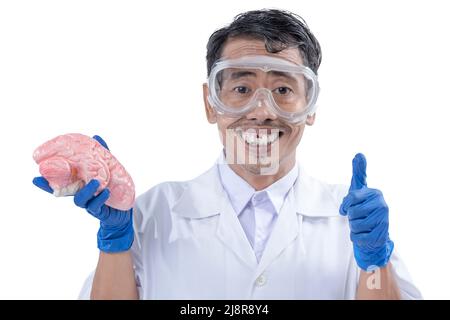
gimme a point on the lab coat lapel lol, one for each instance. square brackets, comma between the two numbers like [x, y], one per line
[285, 231]
[309, 198]
[205, 197]
[232, 235]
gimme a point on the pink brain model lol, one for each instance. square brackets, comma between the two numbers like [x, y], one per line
[70, 161]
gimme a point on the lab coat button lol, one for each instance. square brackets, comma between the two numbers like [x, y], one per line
[261, 280]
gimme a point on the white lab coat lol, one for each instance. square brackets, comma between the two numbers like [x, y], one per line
[189, 244]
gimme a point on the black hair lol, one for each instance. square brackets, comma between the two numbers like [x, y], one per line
[278, 29]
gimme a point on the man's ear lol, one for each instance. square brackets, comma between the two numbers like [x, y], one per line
[211, 114]
[310, 119]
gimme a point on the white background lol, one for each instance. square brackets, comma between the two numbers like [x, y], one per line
[131, 71]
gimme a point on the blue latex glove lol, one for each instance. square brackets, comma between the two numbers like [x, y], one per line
[116, 226]
[368, 215]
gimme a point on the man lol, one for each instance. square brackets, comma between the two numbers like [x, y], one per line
[254, 226]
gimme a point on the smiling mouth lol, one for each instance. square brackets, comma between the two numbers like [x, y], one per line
[259, 136]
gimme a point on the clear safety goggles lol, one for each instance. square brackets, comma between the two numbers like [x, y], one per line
[238, 86]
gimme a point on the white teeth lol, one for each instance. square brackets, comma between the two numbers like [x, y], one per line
[263, 140]
[252, 139]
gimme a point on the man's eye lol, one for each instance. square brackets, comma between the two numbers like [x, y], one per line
[283, 90]
[242, 89]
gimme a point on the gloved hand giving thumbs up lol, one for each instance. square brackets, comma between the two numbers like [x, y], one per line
[368, 215]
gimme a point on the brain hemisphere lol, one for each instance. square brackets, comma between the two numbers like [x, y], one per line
[69, 161]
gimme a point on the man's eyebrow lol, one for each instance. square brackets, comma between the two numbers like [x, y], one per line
[284, 75]
[244, 73]
[240, 74]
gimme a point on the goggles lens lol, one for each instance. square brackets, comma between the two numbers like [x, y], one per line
[238, 86]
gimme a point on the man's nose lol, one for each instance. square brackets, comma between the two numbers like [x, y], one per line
[261, 112]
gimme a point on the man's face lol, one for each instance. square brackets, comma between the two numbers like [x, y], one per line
[261, 119]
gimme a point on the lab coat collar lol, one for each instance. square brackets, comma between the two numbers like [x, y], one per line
[202, 196]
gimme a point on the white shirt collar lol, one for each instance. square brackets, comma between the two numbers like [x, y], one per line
[240, 192]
